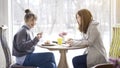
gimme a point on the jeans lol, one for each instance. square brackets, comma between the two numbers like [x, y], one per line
[80, 61]
[41, 60]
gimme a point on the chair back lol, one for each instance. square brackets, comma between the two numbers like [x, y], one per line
[5, 47]
[115, 44]
[114, 52]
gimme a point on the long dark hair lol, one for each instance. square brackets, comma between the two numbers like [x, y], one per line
[86, 18]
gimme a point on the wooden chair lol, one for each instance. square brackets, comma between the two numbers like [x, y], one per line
[6, 51]
[104, 65]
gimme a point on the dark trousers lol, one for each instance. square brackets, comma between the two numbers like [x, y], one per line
[80, 61]
[41, 60]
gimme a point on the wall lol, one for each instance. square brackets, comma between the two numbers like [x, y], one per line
[118, 11]
[3, 12]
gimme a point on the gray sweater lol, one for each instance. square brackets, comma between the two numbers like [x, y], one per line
[22, 42]
[96, 53]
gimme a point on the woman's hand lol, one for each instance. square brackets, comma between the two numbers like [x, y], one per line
[39, 35]
[69, 41]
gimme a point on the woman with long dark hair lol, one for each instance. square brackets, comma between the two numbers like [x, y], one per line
[95, 52]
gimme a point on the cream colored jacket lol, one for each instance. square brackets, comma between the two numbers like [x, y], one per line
[96, 53]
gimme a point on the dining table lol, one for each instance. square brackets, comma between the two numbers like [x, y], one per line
[63, 49]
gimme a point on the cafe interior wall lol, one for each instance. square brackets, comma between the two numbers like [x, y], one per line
[118, 11]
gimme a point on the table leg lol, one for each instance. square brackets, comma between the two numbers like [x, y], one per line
[63, 60]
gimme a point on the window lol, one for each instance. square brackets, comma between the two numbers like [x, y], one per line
[56, 16]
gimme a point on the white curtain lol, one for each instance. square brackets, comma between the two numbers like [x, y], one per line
[56, 16]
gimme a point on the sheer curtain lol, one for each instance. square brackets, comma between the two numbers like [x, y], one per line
[56, 16]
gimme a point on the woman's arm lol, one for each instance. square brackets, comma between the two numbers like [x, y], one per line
[22, 43]
[93, 33]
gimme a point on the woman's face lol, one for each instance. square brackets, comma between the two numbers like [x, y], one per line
[31, 22]
[78, 19]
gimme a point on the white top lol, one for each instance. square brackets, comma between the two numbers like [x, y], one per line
[20, 60]
[92, 41]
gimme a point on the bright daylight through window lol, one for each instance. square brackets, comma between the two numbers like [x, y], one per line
[55, 16]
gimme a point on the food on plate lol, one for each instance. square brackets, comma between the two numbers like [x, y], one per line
[47, 42]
